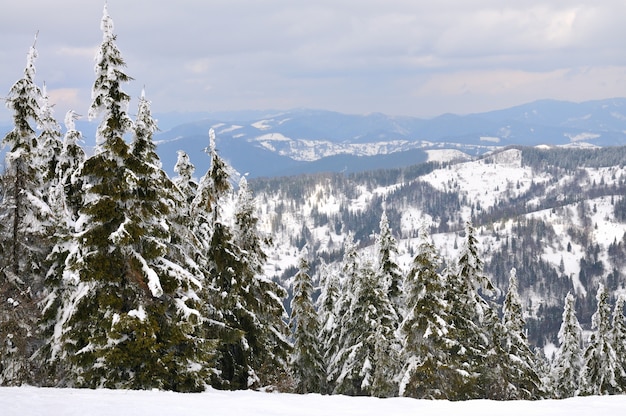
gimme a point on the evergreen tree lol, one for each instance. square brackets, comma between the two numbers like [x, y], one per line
[333, 327]
[185, 244]
[246, 232]
[126, 314]
[327, 309]
[307, 365]
[472, 326]
[65, 202]
[424, 332]
[157, 201]
[567, 365]
[223, 290]
[520, 372]
[263, 296]
[601, 369]
[367, 358]
[254, 338]
[618, 340]
[214, 187]
[24, 233]
[388, 270]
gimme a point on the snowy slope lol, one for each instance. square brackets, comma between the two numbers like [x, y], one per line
[483, 183]
[319, 205]
[30, 401]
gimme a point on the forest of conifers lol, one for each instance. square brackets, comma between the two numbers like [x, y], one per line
[114, 275]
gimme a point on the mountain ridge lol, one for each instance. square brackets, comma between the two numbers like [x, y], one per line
[310, 136]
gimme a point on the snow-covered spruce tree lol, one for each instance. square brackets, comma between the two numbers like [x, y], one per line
[253, 347]
[567, 364]
[25, 242]
[472, 325]
[184, 238]
[307, 365]
[600, 370]
[618, 340]
[65, 202]
[165, 245]
[203, 198]
[126, 313]
[367, 359]
[520, 368]
[265, 297]
[543, 367]
[333, 330]
[388, 270]
[223, 270]
[327, 309]
[424, 332]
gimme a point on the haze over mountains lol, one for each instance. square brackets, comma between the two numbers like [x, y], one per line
[305, 141]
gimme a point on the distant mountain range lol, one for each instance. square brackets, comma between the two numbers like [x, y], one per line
[304, 141]
[275, 143]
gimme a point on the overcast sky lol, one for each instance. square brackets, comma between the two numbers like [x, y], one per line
[399, 57]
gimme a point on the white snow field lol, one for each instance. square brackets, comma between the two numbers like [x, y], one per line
[31, 401]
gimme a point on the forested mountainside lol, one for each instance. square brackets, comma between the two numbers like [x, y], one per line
[556, 215]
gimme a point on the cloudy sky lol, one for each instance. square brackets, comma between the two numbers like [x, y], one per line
[400, 57]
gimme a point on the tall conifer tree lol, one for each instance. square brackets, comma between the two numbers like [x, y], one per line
[567, 365]
[618, 340]
[327, 309]
[473, 321]
[367, 358]
[25, 220]
[519, 361]
[263, 296]
[388, 268]
[254, 343]
[334, 329]
[306, 362]
[424, 332]
[65, 202]
[126, 314]
[601, 369]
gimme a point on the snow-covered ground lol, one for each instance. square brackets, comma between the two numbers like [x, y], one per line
[30, 401]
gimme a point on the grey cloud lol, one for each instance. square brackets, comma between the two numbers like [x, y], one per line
[398, 57]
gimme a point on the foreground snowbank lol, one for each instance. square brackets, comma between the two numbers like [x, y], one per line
[28, 401]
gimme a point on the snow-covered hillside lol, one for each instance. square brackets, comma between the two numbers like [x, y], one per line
[499, 193]
[30, 401]
[482, 184]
